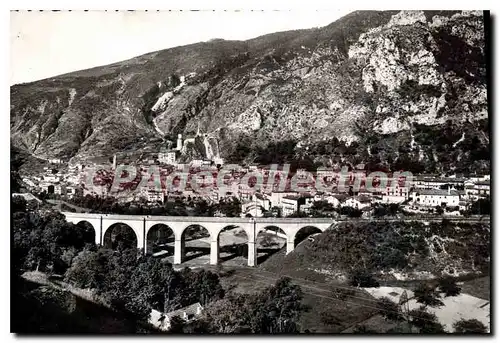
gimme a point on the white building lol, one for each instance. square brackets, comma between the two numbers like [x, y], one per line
[179, 142]
[29, 182]
[479, 189]
[395, 194]
[196, 163]
[154, 195]
[262, 200]
[70, 191]
[167, 157]
[218, 161]
[58, 189]
[331, 199]
[55, 161]
[358, 202]
[433, 182]
[290, 205]
[277, 197]
[436, 197]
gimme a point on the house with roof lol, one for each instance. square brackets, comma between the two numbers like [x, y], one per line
[436, 182]
[329, 198]
[435, 197]
[358, 202]
[162, 321]
[478, 189]
[395, 193]
[290, 205]
[167, 156]
[276, 197]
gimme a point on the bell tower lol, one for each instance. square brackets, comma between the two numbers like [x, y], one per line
[179, 142]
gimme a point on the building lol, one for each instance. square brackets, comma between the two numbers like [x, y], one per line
[58, 189]
[154, 195]
[290, 205]
[331, 199]
[296, 203]
[218, 161]
[358, 202]
[196, 163]
[436, 197]
[28, 182]
[162, 321]
[395, 194]
[55, 161]
[70, 191]
[277, 197]
[327, 174]
[435, 182]
[479, 189]
[463, 205]
[167, 157]
[307, 205]
[262, 201]
[252, 209]
[179, 142]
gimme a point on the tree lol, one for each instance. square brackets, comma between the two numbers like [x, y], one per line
[362, 278]
[89, 269]
[449, 287]
[469, 326]
[427, 295]
[351, 211]
[481, 207]
[363, 329]
[176, 325]
[425, 321]
[389, 309]
[274, 310]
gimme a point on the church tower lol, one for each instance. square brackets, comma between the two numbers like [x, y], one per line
[179, 142]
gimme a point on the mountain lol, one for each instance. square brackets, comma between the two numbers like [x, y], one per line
[394, 90]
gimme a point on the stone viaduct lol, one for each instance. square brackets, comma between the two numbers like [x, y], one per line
[141, 225]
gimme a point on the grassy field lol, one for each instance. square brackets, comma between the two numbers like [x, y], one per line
[327, 310]
[479, 287]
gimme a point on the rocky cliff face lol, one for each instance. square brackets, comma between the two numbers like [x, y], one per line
[391, 89]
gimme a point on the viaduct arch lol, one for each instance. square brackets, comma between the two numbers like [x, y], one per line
[141, 225]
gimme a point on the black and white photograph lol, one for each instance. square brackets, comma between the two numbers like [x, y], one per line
[248, 172]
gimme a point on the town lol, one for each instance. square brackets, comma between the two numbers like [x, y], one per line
[452, 195]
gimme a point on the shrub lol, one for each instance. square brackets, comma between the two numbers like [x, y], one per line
[469, 326]
[362, 278]
[361, 329]
[449, 287]
[389, 309]
[427, 295]
[425, 321]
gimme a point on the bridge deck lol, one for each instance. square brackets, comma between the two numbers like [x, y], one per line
[264, 220]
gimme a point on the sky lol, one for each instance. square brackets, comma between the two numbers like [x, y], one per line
[45, 44]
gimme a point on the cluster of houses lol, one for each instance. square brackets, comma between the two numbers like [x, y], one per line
[52, 180]
[201, 180]
[422, 193]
